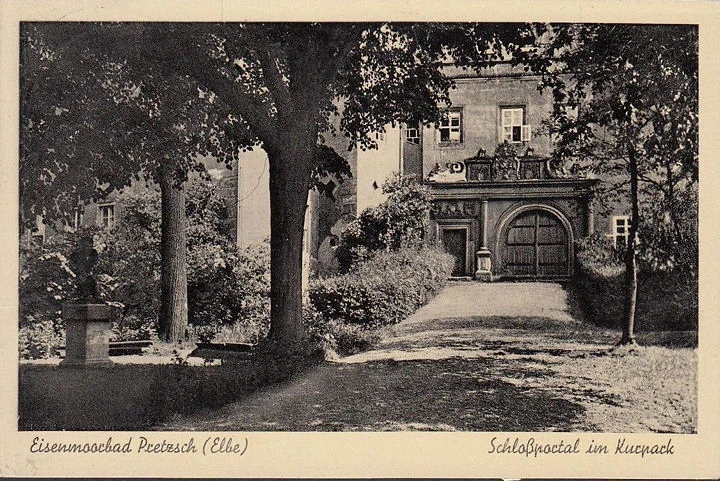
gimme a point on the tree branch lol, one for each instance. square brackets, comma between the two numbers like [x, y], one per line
[268, 56]
[189, 56]
[254, 112]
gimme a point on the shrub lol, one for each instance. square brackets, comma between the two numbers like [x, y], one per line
[400, 221]
[39, 339]
[132, 328]
[335, 337]
[669, 235]
[350, 339]
[597, 250]
[667, 299]
[384, 289]
[229, 291]
[46, 282]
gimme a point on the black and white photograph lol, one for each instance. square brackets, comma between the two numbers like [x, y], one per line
[232, 231]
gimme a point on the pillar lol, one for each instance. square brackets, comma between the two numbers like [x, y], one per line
[483, 225]
[590, 218]
[87, 334]
[484, 263]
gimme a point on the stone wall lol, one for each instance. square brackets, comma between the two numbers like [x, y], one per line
[480, 100]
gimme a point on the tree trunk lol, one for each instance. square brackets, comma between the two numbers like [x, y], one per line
[675, 230]
[631, 283]
[289, 181]
[173, 267]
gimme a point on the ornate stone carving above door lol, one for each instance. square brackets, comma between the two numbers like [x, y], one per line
[455, 209]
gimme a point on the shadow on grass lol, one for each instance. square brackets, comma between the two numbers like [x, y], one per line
[534, 323]
[135, 397]
[534, 327]
[424, 395]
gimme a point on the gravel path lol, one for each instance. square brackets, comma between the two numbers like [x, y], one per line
[478, 357]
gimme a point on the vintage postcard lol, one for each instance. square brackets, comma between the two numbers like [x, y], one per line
[359, 239]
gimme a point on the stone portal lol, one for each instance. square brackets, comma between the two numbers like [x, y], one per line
[511, 228]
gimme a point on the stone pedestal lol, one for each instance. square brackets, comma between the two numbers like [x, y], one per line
[484, 265]
[87, 334]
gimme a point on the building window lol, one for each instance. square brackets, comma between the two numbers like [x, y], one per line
[450, 128]
[378, 136]
[78, 219]
[620, 230]
[37, 236]
[37, 233]
[412, 135]
[512, 125]
[106, 216]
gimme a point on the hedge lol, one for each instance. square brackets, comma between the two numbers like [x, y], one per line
[384, 289]
[667, 300]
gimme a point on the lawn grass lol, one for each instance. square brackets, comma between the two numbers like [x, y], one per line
[564, 374]
[651, 388]
[138, 396]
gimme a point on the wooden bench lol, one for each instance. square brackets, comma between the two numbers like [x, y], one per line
[122, 348]
[223, 350]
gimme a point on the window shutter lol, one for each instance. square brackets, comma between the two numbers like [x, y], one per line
[525, 133]
[517, 116]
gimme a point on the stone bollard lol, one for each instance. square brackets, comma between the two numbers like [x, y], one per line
[87, 334]
[484, 265]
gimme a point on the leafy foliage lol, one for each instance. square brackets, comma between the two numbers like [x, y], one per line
[99, 124]
[597, 249]
[46, 282]
[400, 221]
[130, 255]
[334, 336]
[667, 299]
[39, 339]
[383, 289]
[226, 286]
[198, 87]
[229, 291]
[626, 101]
[624, 96]
[670, 233]
[91, 125]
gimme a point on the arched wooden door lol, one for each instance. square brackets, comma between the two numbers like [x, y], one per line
[536, 245]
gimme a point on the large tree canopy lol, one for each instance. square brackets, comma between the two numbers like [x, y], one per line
[626, 103]
[91, 124]
[288, 86]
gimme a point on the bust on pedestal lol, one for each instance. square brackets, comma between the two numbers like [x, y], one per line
[87, 317]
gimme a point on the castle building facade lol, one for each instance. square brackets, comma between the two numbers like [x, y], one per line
[502, 205]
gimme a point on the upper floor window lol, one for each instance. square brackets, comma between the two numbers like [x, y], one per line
[512, 125]
[412, 135]
[620, 230]
[378, 136]
[106, 216]
[37, 233]
[78, 219]
[450, 128]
